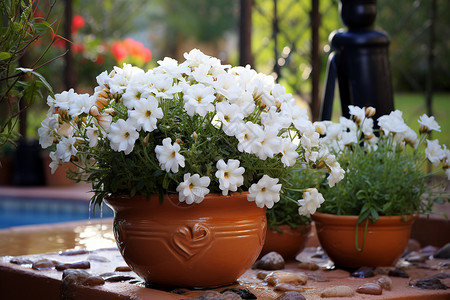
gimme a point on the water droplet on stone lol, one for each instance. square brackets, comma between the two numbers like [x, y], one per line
[44, 264]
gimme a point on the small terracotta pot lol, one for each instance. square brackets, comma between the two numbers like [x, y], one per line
[289, 242]
[201, 245]
[385, 240]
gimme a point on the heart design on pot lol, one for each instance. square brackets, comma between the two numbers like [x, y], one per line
[189, 241]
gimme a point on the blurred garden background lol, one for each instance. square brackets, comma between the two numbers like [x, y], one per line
[79, 39]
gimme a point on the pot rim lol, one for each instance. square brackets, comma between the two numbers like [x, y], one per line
[351, 219]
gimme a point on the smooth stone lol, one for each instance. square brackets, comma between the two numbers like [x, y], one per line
[270, 261]
[288, 287]
[370, 288]
[363, 272]
[442, 276]
[428, 250]
[123, 269]
[84, 264]
[94, 280]
[278, 277]
[412, 246]
[444, 252]
[385, 282]
[74, 252]
[243, 293]
[291, 295]
[308, 266]
[21, 261]
[70, 279]
[416, 258]
[75, 273]
[429, 284]
[44, 264]
[262, 274]
[398, 273]
[118, 278]
[98, 258]
[337, 291]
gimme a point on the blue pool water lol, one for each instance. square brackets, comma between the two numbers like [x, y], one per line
[16, 211]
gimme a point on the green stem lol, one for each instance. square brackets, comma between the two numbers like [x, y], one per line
[364, 236]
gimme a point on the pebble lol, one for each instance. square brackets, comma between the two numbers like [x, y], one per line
[262, 274]
[84, 264]
[21, 261]
[98, 258]
[363, 272]
[385, 282]
[288, 287]
[94, 280]
[123, 269]
[416, 259]
[370, 288]
[428, 250]
[44, 264]
[308, 266]
[398, 273]
[337, 291]
[291, 295]
[74, 252]
[444, 252]
[413, 245]
[118, 278]
[429, 284]
[243, 293]
[270, 261]
[278, 277]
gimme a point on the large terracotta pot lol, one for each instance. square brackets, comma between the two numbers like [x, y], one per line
[289, 242]
[385, 240]
[201, 245]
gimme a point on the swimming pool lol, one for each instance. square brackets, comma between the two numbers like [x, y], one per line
[16, 211]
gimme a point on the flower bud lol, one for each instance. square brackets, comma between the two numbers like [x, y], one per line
[195, 135]
[94, 111]
[370, 112]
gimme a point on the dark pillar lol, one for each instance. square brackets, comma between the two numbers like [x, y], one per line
[245, 33]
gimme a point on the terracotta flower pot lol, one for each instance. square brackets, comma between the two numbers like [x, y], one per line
[289, 242]
[200, 245]
[385, 240]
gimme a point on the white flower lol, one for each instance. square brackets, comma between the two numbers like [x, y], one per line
[336, 172]
[358, 113]
[270, 144]
[288, 152]
[134, 93]
[54, 164]
[145, 114]
[193, 189]
[229, 175]
[168, 156]
[428, 124]
[230, 116]
[47, 130]
[392, 123]
[163, 86]
[310, 203]
[122, 136]
[228, 86]
[198, 99]
[92, 134]
[265, 192]
[62, 100]
[66, 148]
[349, 129]
[434, 152]
[250, 136]
[275, 119]
[80, 104]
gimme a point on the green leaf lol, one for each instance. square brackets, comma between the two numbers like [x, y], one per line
[4, 55]
[45, 82]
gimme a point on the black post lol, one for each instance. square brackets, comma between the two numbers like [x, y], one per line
[245, 33]
[361, 61]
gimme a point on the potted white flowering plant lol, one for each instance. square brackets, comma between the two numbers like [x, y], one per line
[385, 183]
[185, 137]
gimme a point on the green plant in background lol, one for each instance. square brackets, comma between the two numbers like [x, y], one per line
[384, 174]
[20, 83]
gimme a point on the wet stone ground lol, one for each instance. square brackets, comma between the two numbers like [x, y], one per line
[418, 274]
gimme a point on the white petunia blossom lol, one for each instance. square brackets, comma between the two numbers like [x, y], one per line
[48, 128]
[288, 152]
[434, 152]
[270, 144]
[229, 175]
[392, 123]
[250, 136]
[336, 172]
[266, 192]
[80, 103]
[230, 116]
[168, 156]
[54, 164]
[428, 124]
[193, 189]
[358, 113]
[198, 99]
[145, 114]
[122, 136]
[310, 203]
[66, 148]
[92, 134]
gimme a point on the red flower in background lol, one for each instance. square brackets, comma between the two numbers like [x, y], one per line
[77, 23]
[121, 50]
